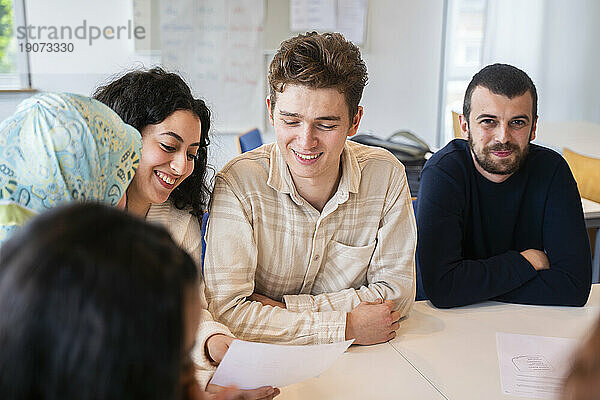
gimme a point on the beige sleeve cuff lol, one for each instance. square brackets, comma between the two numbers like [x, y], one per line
[206, 367]
[332, 327]
[298, 302]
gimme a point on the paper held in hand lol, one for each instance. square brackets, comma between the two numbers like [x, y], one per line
[249, 365]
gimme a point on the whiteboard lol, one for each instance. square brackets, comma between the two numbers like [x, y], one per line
[217, 46]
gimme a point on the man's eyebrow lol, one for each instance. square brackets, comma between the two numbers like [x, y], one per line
[178, 138]
[522, 116]
[492, 116]
[481, 116]
[329, 118]
[289, 114]
[323, 118]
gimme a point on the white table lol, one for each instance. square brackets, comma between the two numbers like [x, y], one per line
[443, 354]
[456, 348]
[365, 372]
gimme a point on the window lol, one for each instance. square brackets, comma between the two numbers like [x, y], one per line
[465, 31]
[14, 64]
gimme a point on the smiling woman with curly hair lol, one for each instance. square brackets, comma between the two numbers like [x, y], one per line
[170, 186]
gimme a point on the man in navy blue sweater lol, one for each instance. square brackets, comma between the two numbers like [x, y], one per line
[500, 218]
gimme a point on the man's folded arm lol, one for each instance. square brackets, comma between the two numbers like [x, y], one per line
[566, 244]
[450, 280]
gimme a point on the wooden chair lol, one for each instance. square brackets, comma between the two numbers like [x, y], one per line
[456, 125]
[586, 171]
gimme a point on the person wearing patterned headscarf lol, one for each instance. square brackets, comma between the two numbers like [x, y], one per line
[58, 148]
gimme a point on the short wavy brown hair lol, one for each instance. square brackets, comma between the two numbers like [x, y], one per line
[319, 60]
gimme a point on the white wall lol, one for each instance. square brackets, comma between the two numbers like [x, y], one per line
[402, 53]
[88, 65]
[403, 59]
[556, 43]
[570, 84]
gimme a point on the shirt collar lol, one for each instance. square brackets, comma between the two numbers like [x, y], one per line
[280, 178]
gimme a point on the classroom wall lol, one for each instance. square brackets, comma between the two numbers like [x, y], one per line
[403, 55]
[555, 42]
[570, 79]
[402, 51]
[403, 58]
[89, 65]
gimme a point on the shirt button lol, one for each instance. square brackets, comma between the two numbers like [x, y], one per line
[317, 257]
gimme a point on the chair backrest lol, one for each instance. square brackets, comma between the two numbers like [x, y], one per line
[203, 238]
[456, 125]
[586, 171]
[249, 140]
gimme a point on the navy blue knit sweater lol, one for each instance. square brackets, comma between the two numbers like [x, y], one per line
[471, 231]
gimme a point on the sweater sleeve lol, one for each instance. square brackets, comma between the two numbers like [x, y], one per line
[565, 241]
[448, 278]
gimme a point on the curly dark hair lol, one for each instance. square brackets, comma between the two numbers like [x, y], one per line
[148, 97]
[87, 313]
[319, 60]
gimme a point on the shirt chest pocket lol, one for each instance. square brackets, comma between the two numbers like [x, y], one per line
[344, 267]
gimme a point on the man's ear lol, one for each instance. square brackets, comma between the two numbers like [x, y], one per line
[464, 126]
[533, 129]
[270, 111]
[355, 121]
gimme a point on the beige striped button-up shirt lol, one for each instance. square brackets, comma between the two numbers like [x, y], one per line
[263, 236]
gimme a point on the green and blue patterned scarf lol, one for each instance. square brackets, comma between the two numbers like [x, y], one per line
[58, 148]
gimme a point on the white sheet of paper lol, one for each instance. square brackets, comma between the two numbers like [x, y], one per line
[249, 365]
[533, 366]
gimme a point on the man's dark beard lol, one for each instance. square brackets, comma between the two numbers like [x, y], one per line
[485, 161]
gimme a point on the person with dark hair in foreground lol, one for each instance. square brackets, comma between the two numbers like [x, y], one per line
[99, 305]
[94, 304]
[500, 218]
[312, 239]
[170, 185]
[583, 381]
